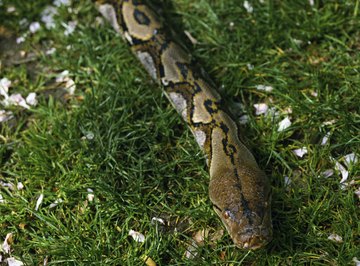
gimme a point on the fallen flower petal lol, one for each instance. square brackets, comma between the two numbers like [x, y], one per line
[8, 185]
[155, 219]
[350, 159]
[284, 124]
[261, 108]
[56, 202]
[17, 100]
[39, 201]
[138, 237]
[300, 152]
[14, 262]
[62, 77]
[287, 181]
[249, 66]
[70, 86]
[5, 115]
[325, 139]
[2, 199]
[50, 51]
[34, 27]
[47, 16]
[264, 88]
[343, 171]
[31, 99]
[330, 122]
[5, 247]
[21, 39]
[59, 3]
[4, 85]
[335, 238]
[357, 262]
[248, 7]
[70, 27]
[327, 173]
[20, 186]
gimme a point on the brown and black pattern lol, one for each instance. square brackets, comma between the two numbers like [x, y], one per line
[238, 189]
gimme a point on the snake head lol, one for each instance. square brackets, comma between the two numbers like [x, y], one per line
[243, 205]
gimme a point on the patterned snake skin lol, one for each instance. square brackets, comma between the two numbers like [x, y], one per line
[238, 189]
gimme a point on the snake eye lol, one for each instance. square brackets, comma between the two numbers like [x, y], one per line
[227, 214]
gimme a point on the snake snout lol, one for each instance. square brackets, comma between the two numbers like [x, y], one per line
[253, 238]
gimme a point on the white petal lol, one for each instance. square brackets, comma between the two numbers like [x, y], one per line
[63, 76]
[47, 16]
[6, 246]
[155, 219]
[39, 201]
[330, 122]
[51, 51]
[261, 108]
[249, 66]
[350, 159]
[17, 100]
[284, 124]
[89, 135]
[5, 83]
[327, 173]
[11, 9]
[2, 199]
[70, 27]
[343, 171]
[335, 238]
[14, 262]
[70, 86]
[56, 202]
[311, 2]
[31, 99]
[264, 88]
[138, 237]
[20, 186]
[287, 181]
[62, 2]
[300, 152]
[314, 93]
[325, 139]
[8, 185]
[20, 39]
[248, 7]
[34, 27]
[357, 262]
[5, 115]
[90, 197]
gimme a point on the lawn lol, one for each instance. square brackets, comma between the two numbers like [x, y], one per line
[97, 168]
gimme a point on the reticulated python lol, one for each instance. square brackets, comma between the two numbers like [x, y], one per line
[239, 190]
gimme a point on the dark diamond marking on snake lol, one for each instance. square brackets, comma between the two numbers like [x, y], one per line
[141, 18]
[183, 69]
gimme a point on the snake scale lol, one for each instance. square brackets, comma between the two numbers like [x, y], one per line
[238, 189]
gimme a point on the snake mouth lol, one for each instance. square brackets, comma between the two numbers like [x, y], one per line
[253, 239]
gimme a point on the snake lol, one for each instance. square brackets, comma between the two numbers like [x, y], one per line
[238, 189]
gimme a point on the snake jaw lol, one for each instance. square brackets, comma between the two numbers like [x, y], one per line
[246, 237]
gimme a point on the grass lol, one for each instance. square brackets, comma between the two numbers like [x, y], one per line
[119, 136]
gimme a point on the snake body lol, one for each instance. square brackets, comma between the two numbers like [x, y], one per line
[238, 189]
